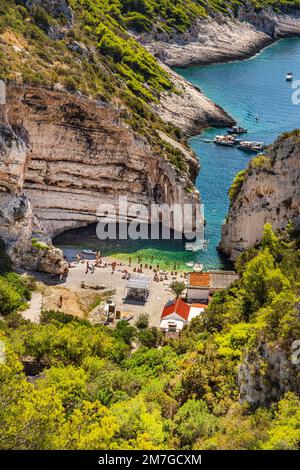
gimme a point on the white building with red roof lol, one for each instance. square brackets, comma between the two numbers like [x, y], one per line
[177, 313]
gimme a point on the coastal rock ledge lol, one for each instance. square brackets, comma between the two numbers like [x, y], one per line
[223, 38]
[267, 192]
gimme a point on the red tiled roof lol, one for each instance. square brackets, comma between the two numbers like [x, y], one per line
[177, 306]
[199, 279]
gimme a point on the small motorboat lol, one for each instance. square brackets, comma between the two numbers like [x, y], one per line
[250, 146]
[198, 268]
[88, 252]
[227, 140]
[237, 130]
[289, 76]
[190, 264]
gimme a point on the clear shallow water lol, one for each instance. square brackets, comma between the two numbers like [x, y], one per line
[256, 94]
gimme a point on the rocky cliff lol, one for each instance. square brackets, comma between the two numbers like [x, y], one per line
[82, 155]
[63, 157]
[220, 38]
[188, 109]
[266, 374]
[27, 243]
[76, 141]
[269, 192]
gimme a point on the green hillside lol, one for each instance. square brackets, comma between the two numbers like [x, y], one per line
[94, 393]
[94, 56]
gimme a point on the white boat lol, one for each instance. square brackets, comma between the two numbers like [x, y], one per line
[89, 252]
[237, 130]
[250, 146]
[227, 140]
[289, 76]
[198, 268]
[190, 264]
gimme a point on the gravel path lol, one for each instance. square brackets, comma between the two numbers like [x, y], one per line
[33, 313]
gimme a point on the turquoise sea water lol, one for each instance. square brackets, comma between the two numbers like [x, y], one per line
[256, 94]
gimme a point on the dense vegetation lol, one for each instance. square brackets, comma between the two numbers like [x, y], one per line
[178, 15]
[95, 390]
[94, 56]
[95, 393]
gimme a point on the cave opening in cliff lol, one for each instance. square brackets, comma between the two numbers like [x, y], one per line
[85, 238]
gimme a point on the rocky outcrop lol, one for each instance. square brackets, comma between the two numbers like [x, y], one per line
[189, 109]
[58, 9]
[83, 156]
[273, 24]
[270, 193]
[266, 374]
[18, 225]
[220, 38]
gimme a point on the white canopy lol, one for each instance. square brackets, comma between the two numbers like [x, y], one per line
[139, 282]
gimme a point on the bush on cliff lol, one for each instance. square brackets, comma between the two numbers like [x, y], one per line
[236, 185]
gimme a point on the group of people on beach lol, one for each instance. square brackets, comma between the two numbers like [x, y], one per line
[159, 276]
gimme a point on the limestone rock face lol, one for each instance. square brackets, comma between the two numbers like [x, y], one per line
[269, 194]
[189, 109]
[266, 375]
[63, 158]
[18, 227]
[84, 156]
[209, 40]
[222, 38]
[274, 24]
[14, 156]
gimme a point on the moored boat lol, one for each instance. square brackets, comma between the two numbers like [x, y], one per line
[289, 76]
[237, 130]
[250, 146]
[198, 268]
[88, 252]
[227, 140]
[190, 264]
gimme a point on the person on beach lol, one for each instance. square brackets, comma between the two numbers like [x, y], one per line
[113, 266]
[98, 259]
[78, 258]
[60, 301]
[87, 267]
[129, 261]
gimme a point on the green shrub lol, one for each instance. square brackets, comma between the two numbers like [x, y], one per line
[261, 161]
[237, 184]
[142, 321]
[39, 245]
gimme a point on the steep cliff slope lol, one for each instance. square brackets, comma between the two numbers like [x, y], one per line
[237, 31]
[82, 156]
[26, 242]
[267, 192]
